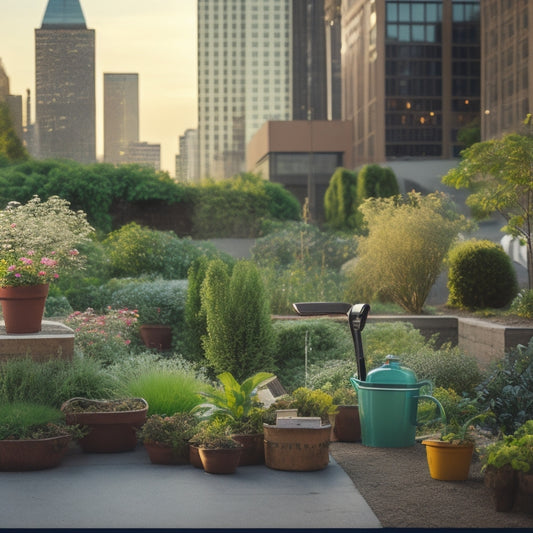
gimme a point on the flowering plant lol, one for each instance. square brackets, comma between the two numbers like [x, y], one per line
[105, 337]
[38, 239]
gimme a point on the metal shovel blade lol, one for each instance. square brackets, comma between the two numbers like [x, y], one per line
[322, 308]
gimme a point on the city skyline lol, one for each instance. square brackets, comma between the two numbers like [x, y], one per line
[129, 35]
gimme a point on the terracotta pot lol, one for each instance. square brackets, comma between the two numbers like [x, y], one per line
[163, 454]
[109, 432]
[524, 494]
[297, 449]
[220, 460]
[253, 449]
[347, 426]
[194, 456]
[156, 336]
[447, 461]
[23, 307]
[33, 454]
[502, 483]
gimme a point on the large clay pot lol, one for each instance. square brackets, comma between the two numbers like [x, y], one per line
[23, 307]
[32, 454]
[502, 483]
[109, 431]
[448, 461]
[156, 336]
[297, 449]
[347, 427]
[220, 460]
[163, 454]
[253, 449]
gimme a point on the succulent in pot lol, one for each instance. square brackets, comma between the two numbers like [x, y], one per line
[166, 438]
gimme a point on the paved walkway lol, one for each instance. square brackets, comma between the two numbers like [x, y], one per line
[125, 490]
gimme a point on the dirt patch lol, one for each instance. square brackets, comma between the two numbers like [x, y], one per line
[396, 484]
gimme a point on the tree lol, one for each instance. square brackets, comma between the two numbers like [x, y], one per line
[499, 174]
[340, 200]
[408, 239]
[375, 181]
[11, 146]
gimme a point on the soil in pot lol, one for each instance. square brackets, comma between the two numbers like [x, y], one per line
[220, 460]
[32, 454]
[110, 430]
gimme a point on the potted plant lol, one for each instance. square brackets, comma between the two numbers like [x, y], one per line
[508, 467]
[237, 403]
[112, 424]
[345, 423]
[155, 330]
[219, 453]
[37, 243]
[33, 436]
[450, 456]
[166, 438]
[300, 443]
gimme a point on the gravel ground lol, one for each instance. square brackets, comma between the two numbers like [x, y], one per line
[396, 484]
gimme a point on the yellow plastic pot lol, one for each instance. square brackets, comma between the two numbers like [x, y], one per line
[448, 461]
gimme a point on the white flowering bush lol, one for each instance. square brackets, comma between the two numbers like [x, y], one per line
[38, 241]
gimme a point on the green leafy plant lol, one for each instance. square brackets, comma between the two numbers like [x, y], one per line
[235, 401]
[38, 241]
[522, 305]
[174, 431]
[214, 433]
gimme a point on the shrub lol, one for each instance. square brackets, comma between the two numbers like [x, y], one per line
[57, 306]
[239, 335]
[418, 231]
[159, 301]
[522, 305]
[134, 250]
[106, 337]
[480, 275]
[508, 388]
[375, 181]
[446, 367]
[340, 200]
[53, 382]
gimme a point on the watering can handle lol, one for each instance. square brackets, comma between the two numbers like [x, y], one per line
[439, 405]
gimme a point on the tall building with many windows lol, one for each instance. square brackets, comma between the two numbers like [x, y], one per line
[411, 76]
[121, 114]
[506, 65]
[244, 77]
[65, 84]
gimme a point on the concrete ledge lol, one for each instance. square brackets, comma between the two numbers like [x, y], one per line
[54, 341]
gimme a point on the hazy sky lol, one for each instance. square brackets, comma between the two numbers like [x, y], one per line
[155, 38]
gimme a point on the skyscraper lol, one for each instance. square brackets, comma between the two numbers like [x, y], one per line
[411, 76]
[121, 114]
[244, 77]
[506, 66]
[65, 84]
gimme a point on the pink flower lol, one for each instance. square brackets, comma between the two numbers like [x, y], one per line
[17, 275]
[26, 261]
[13, 225]
[11, 268]
[74, 252]
[42, 273]
[31, 252]
[56, 275]
[48, 262]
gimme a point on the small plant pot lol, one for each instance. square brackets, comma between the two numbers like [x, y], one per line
[347, 427]
[194, 456]
[253, 449]
[156, 336]
[32, 454]
[502, 483]
[163, 454]
[220, 460]
[109, 431]
[448, 461]
[297, 449]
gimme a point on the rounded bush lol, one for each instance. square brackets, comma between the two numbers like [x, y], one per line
[480, 275]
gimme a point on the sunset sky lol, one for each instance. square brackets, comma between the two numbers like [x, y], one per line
[155, 38]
